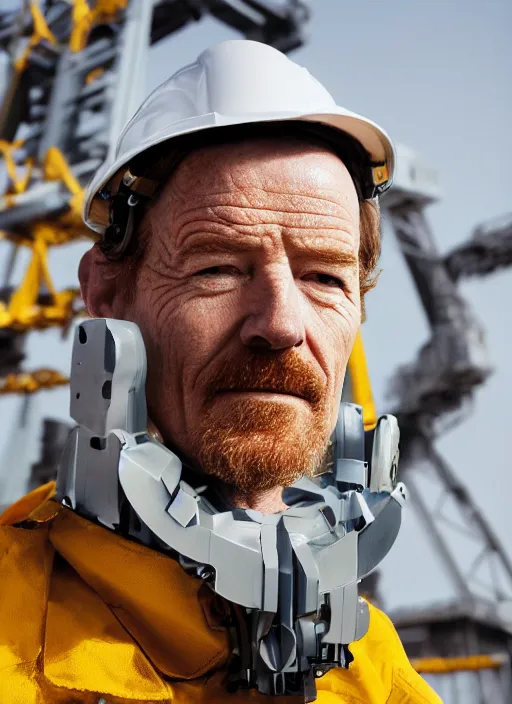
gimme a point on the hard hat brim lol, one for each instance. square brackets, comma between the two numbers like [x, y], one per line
[372, 137]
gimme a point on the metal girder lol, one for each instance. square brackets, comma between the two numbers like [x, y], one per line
[488, 250]
[440, 381]
[460, 650]
[440, 299]
[455, 360]
[280, 26]
[55, 436]
[453, 513]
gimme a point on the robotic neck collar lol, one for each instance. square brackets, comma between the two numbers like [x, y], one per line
[293, 576]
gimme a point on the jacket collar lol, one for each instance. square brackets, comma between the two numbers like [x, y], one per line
[120, 615]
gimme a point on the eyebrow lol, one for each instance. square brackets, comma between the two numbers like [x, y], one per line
[329, 254]
[220, 245]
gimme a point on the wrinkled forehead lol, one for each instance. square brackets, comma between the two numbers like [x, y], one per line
[268, 170]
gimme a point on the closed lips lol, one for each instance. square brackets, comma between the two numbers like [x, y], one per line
[264, 390]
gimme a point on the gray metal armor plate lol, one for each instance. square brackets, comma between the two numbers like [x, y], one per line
[295, 574]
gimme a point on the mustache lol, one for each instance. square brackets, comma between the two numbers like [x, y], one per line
[285, 373]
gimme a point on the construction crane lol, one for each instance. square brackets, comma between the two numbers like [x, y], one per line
[488, 250]
[465, 646]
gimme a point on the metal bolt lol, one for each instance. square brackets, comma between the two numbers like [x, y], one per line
[319, 673]
[204, 573]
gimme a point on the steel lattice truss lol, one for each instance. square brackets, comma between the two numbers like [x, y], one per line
[435, 391]
[488, 250]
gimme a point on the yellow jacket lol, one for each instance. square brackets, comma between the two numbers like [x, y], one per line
[87, 617]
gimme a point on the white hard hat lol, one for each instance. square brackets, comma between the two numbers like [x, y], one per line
[237, 82]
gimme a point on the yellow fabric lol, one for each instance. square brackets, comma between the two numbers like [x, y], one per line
[87, 648]
[85, 614]
[141, 587]
[24, 507]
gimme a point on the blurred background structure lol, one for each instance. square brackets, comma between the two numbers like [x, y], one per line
[434, 74]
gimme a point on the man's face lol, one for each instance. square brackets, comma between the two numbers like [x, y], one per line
[248, 301]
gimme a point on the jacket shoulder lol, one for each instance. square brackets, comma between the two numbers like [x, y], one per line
[35, 506]
[380, 672]
[26, 557]
[384, 644]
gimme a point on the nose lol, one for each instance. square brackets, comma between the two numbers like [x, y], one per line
[275, 318]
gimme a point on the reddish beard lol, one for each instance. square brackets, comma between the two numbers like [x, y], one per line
[253, 444]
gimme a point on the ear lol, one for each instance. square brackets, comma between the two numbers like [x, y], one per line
[98, 283]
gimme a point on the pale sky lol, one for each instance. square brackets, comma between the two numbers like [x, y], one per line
[436, 75]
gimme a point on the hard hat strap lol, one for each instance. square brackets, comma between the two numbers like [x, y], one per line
[119, 235]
